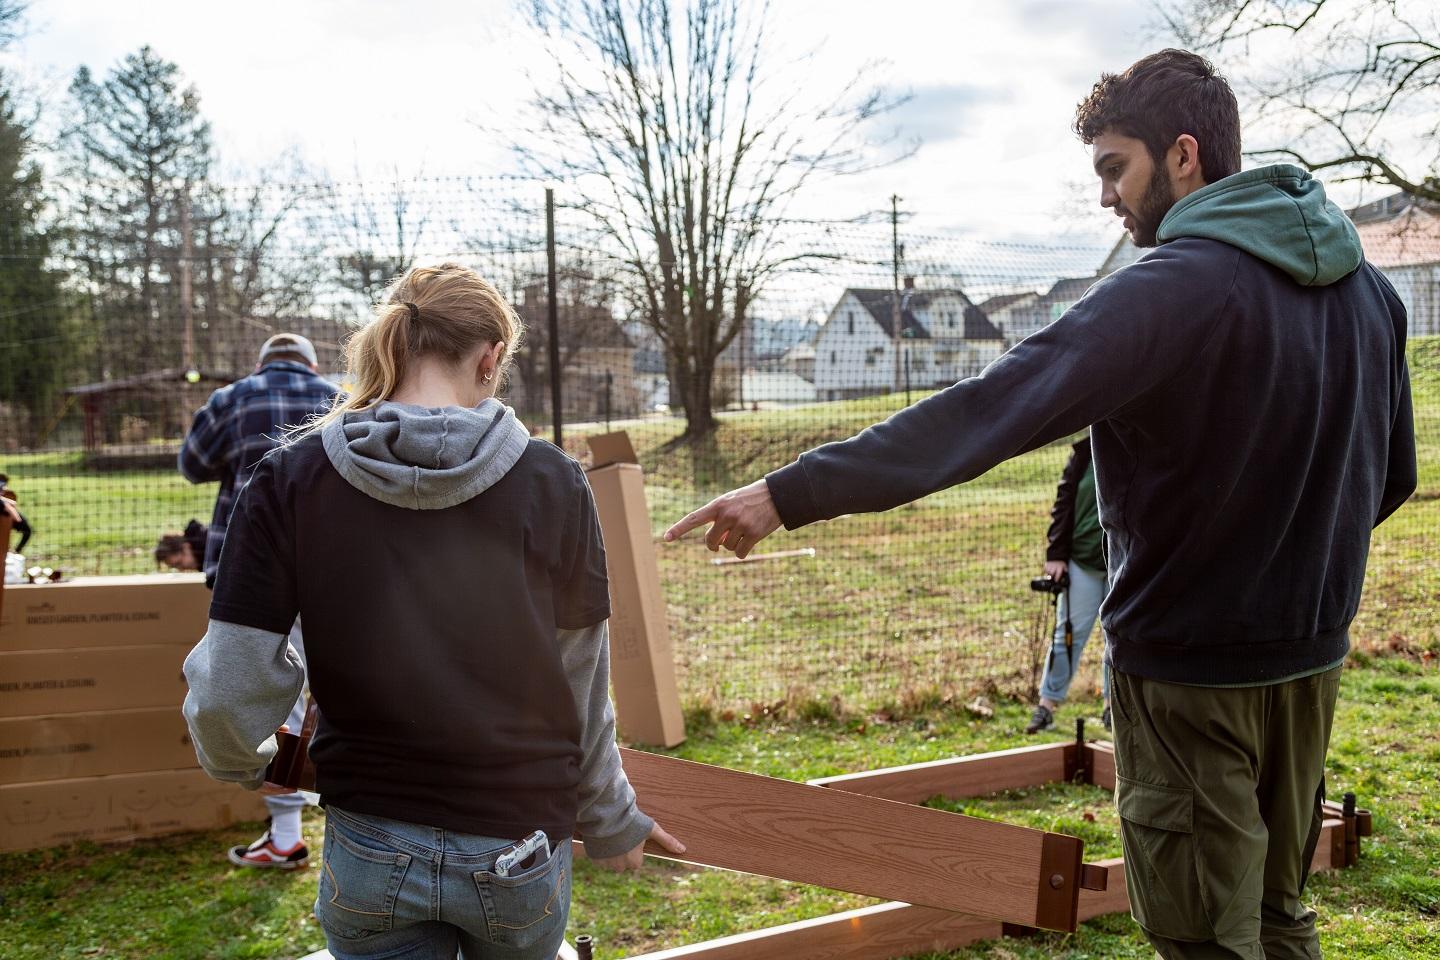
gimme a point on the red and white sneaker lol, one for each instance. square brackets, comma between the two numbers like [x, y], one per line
[263, 853]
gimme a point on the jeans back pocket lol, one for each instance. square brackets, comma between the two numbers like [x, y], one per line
[358, 884]
[531, 907]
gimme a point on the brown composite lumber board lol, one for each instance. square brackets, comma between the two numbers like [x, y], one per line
[958, 777]
[5, 528]
[1102, 764]
[1330, 848]
[896, 929]
[1364, 822]
[859, 844]
[880, 932]
[1115, 898]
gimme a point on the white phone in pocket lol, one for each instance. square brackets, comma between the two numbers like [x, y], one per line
[512, 857]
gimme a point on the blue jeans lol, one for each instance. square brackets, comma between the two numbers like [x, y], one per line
[403, 891]
[1082, 604]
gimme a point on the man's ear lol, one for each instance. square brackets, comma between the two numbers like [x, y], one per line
[1186, 157]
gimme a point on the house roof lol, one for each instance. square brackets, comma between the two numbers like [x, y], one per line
[1068, 290]
[881, 305]
[1410, 238]
[1388, 208]
[1003, 300]
[978, 326]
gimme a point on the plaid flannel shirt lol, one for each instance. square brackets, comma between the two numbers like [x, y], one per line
[238, 425]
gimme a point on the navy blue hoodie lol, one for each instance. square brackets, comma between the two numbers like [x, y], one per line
[1250, 403]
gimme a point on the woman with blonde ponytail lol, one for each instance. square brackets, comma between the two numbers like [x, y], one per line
[450, 573]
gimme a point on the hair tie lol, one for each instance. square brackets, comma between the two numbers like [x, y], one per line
[414, 310]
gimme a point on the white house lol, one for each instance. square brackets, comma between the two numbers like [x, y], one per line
[944, 337]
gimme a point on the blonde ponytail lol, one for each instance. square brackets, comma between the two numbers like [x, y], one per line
[444, 311]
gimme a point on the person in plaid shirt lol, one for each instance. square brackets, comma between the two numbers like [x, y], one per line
[238, 425]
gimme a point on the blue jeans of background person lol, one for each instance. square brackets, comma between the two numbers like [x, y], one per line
[280, 803]
[1087, 589]
[404, 891]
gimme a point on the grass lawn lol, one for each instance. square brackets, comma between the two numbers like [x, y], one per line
[178, 898]
[857, 658]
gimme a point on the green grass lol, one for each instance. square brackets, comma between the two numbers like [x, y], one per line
[178, 898]
[901, 618]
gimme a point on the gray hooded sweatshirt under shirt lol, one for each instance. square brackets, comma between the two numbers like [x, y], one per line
[452, 578]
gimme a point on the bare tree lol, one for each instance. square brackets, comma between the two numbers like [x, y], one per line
[260, 260]
[1362, 85]
[685, 160]
[381, 236]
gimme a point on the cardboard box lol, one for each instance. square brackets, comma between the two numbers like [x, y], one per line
[42, 683]
[642, 661]
[4, 549]
[105, 611]
[124, 807]
[72, 745]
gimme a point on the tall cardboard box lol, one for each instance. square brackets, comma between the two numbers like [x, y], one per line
[71, 745]
[642, 660]
[124, 807]
[168, 608]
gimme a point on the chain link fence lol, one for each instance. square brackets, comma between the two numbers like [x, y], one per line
[103, 368]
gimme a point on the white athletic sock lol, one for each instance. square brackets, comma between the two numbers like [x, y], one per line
[285, 829]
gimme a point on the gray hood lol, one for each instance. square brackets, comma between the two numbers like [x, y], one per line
[425, 458]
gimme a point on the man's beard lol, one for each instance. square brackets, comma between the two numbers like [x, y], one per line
[1158, 199]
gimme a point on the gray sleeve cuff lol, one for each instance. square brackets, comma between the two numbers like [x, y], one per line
[636, 829]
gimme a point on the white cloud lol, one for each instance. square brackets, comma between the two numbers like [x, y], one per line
[425, 85]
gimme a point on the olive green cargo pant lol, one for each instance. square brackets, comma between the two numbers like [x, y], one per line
[1219, 792]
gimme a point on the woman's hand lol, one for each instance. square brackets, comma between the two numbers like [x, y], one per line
[634, 858]
[1055, 569]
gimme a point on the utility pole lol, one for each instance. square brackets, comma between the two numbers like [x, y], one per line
[895, 262]
[552, 308]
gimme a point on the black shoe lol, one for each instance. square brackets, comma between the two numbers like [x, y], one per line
[1042, 719]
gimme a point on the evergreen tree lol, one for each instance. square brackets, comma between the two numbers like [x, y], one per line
[139, 153]
[37, 331]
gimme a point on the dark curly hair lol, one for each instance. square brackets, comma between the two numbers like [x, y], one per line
[1161, 97]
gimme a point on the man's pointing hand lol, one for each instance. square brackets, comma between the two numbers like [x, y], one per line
[738, 519]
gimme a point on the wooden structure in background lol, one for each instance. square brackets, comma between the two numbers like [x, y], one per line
[957, 880]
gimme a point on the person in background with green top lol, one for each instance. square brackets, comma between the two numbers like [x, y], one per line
[1075, 548]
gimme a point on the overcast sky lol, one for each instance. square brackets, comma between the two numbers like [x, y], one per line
[422, 87]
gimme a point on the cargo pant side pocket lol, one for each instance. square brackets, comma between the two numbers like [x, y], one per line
[1157, 827]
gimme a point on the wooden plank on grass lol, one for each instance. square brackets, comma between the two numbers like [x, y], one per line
[958, 777]
[1330, 848]
[880, 932]
[874, 847]
[1102, 764]
[1115, 898]
[898, 929]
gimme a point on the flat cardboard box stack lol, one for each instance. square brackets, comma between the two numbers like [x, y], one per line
[92, 742]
